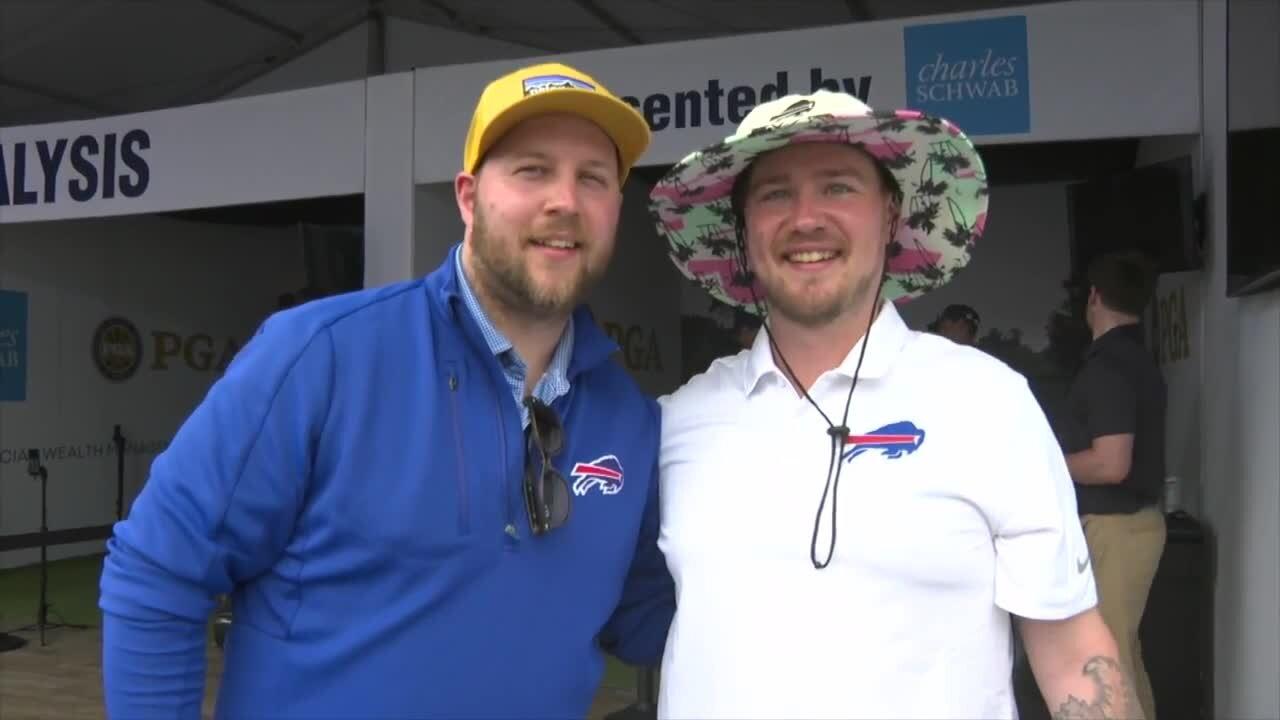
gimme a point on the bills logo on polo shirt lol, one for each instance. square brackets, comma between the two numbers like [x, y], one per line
[893, 440]
[604, 473]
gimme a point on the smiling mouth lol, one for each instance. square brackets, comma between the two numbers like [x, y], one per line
[810, 257]
[556, 243]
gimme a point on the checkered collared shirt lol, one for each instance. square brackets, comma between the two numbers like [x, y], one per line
[553, 383]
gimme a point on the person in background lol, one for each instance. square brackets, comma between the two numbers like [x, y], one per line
[1116, 455]
[745, 328]
[436, 498]
[822, 213]
[958, 323]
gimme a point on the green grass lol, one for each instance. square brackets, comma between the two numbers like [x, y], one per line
[617, 674]
[72, 593]
[73, 598]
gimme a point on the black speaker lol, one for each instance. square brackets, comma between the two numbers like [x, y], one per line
[1177, 627]
[1176, 631]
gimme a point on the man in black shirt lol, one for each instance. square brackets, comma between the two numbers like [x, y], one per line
[959, 323]
[1116, 458]
[745, 328]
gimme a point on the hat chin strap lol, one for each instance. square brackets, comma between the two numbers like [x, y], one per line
[839, 433]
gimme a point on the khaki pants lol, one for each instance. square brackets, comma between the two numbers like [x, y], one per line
[1125, 551]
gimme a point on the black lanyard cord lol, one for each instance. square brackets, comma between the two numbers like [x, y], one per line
[839, 438]
[839, 433]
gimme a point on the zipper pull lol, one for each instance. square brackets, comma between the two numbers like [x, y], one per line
[453, 382]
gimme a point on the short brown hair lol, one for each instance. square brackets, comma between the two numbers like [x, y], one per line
[738, 195]
[1125, 280]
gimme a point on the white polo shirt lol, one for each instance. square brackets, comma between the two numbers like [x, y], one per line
[956, 511]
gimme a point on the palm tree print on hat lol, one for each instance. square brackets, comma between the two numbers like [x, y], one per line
[933, 163]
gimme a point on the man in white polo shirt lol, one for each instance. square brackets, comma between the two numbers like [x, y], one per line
[955, 508]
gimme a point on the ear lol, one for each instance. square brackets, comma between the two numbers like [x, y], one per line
[893, 213]
[464, 191]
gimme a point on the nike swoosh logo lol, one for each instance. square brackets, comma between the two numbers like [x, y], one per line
[1082, 564]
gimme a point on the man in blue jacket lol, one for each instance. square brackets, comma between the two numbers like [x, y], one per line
[432, 499]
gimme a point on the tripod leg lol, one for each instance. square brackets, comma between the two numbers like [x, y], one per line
[43, 615]
[118, 438]
[647, 700]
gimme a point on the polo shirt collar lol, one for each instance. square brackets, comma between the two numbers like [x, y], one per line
[887, 337]
[592, 347]
[1118, 335]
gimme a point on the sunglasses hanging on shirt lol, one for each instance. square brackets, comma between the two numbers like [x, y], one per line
[546, 493]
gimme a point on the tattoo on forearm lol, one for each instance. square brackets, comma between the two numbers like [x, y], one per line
[1113, 695]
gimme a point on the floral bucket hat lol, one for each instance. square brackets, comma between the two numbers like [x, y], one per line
[941, 175]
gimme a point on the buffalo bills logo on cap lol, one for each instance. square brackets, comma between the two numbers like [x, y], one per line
[793, 112]
[893, 440]
[542, 83]
[604, 473]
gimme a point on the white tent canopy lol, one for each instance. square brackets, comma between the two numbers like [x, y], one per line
[79, 59]
[367, 79]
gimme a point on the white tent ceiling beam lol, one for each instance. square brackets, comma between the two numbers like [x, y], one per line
[250, 16]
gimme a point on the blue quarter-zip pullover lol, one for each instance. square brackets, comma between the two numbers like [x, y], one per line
[354, 481]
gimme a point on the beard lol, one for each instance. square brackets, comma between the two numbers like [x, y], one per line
[502, 268]
[815, 308]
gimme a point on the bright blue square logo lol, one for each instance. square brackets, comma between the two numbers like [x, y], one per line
[13, 346]
[973, 72]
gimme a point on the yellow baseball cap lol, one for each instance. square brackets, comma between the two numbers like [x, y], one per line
[552, 87]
